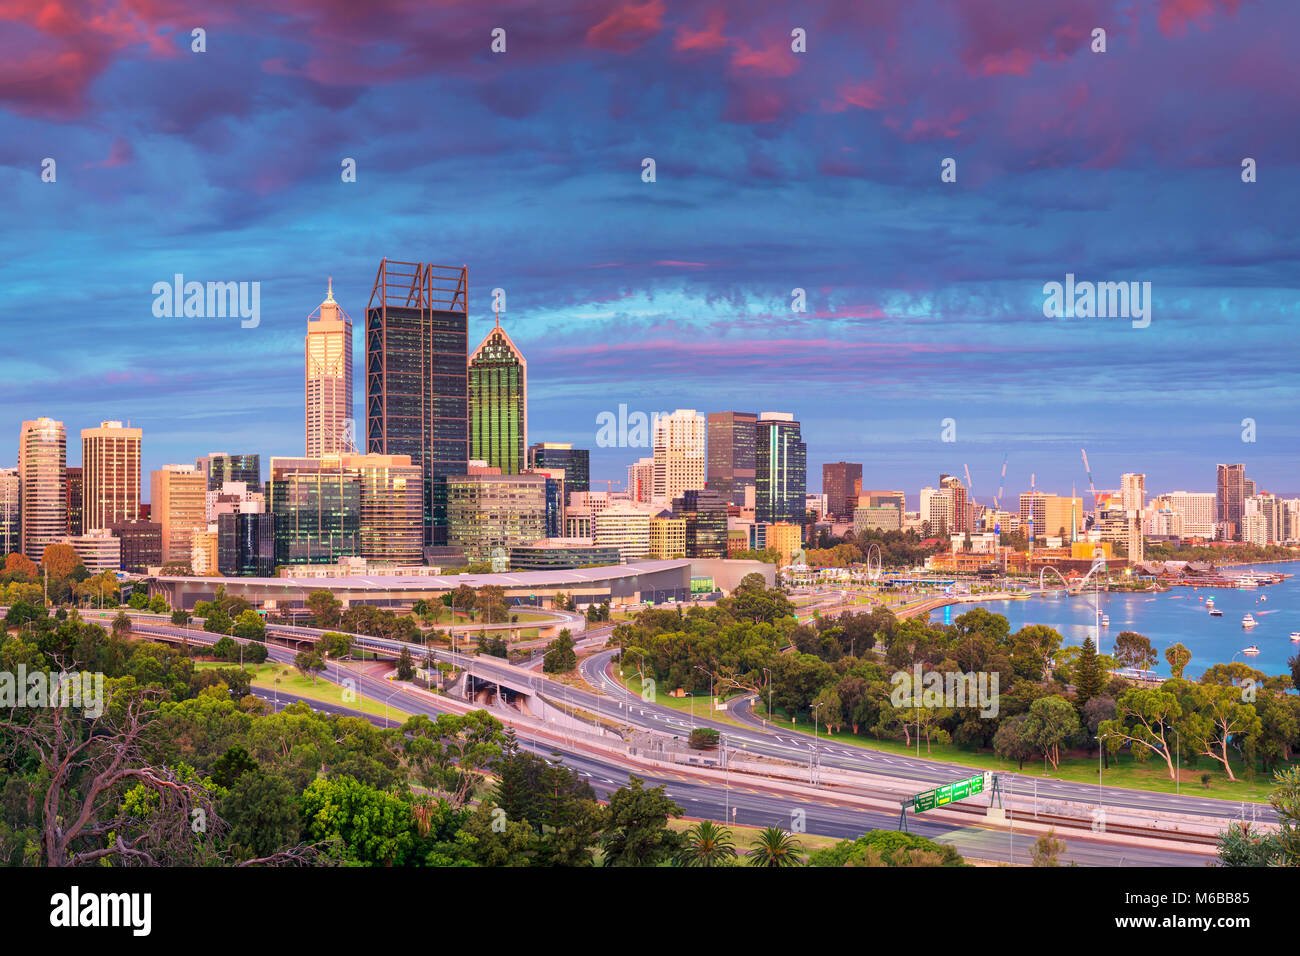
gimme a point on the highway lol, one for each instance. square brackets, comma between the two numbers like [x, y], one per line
[757, 803]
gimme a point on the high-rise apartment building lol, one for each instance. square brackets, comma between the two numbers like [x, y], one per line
[327, 347]
[781, 469]
[679, 453]
[1132, 491]
[1230, 484]
[498, 402]
[110, 466]
[576, 462]
[11, 512]
[1197, 509]
[178, 500]
[958, 507]
[731, 450]
[42, 458]
[641, 480]
[841, 480]
[417, 399]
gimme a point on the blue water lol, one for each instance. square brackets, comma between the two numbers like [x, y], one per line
[1173, 615]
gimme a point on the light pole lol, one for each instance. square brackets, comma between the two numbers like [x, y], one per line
[814, 753]
[768, 673]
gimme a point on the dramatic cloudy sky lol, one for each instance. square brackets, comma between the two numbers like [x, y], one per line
[776, 170]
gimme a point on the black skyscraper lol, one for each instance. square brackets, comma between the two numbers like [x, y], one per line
[417, 400]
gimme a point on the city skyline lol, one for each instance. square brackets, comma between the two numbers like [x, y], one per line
[931, 308]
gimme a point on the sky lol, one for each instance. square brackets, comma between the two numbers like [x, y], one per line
[775, 170]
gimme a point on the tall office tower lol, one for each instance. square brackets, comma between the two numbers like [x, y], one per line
[141, 545]
[623, 526]
[1132, 491]
[959, 508]
[317, 510]
[328, 351]
[705, 514]
[936, 509]
[246, 544]
[841, 481]
[679, 443]
[781, 469]
[417, 400]
[42, 457]
[73, 491]
[110, 465]
[498, 402]
[178, 500]
[576, 462]
[11, 512]
[1231, 492]
[392, 508]
[218, 468]
[641, 480]
[731, 454]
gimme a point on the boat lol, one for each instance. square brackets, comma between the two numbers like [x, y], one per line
[1105, 620]
[1295, 637]
[1248, 621]
[1209, 602]
[1215, 612]
[1251, 651]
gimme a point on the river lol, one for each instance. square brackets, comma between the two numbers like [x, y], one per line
[1178, 614]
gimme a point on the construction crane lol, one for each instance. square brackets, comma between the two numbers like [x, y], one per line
[1002, 483]
[1091, 487]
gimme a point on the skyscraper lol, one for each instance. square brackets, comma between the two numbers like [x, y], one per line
[73, 491]
[1231, 493]
[110, 465]
[576, 462]
[839, 481]
[316, 505]
[641, 480]
[178, 496]
[417, 400]
[42, 457]
[498, 402]
[220, 467]
[392, 508]
[781, 469]
[1132, 491]
[731, 454]
[328, 350]
[11, 512]
[679, 443]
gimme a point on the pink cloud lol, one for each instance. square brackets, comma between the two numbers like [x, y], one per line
[628, 27]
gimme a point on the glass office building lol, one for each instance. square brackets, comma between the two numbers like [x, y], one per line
[316, 505]
[705, 513]
[246, 544]
[487, 513]
[498, 403]
[781, 473]
[731, 454]
[576, 462]
[416, 376]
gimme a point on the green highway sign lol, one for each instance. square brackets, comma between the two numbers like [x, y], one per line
[951, 792]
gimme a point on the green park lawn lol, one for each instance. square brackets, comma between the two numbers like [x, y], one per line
[292, 682]
[1124, 770]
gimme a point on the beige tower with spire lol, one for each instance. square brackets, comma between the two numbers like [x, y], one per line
[330, 427]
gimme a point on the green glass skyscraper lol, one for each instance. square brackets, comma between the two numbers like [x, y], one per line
[498, 403]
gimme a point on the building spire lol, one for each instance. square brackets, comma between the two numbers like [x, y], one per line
[329, 297]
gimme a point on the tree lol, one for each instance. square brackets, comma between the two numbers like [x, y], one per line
[637, 832]
[372, 827]
[1134, 650]
[19, 566]
[181, 618]
[1014, 739]
[1088, 675]
[1141, 718]
[60, 560]
[560, 656]
[405, 666]
[1211, 717]
[1241, 845]
[707, 844]
[1286, 801]
[774, 847]
[1047, 850]
[1177, 656]
[121, 625]
[325, 608]
[1051, 722]
[703, 738]
[249, 626]
[309, 664]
